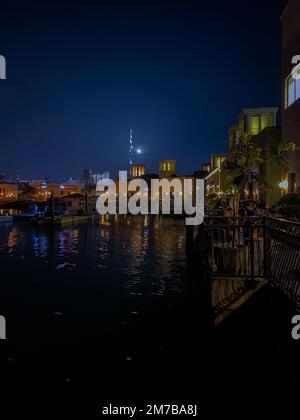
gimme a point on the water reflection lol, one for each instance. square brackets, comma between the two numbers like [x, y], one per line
[94, 301]
[144, 256]
[40, 245]
[12, 240]
[68, 242]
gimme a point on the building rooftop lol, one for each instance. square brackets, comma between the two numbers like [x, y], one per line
[5, 181]
[259, 110]
[75, 195]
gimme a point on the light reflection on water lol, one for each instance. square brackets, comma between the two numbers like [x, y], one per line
[95, 299]
[142, 256]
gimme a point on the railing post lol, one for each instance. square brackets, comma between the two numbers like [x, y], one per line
[252, 283]
[205, 287]
[264, 248]
[199, 277]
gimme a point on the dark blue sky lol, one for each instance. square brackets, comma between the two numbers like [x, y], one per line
[79, 73]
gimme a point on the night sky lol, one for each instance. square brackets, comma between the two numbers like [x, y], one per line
[80, 73]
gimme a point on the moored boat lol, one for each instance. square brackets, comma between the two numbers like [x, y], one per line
[5, 219]
[23, 216]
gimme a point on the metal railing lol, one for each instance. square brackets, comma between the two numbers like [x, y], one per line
[239, 252]
[235, 249]
[282, 257]
[236, 246]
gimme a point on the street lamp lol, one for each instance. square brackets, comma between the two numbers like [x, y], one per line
[284, 185]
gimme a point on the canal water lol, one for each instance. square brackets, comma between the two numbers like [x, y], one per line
[95, 310]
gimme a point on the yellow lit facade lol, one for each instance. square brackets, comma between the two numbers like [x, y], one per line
[206, 167]
[167, 168]
[8, 191]
[261, 123]
[252, 121]
[43, 191]
[214, 181]
[138, 170]
[217, 160]
[253, 124]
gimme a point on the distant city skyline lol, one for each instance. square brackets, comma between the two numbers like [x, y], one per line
[79, 75]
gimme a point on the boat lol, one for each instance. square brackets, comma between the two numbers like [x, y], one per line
[61, 220]
[5, 219]
[24, 216]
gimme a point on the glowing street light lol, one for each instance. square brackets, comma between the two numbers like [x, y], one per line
[283, 185]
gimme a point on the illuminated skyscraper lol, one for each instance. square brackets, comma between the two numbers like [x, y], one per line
[130, 150]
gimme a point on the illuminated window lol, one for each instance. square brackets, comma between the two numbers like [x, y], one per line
[253, 124]
[266, 121]
[292, 90]
[218, 161]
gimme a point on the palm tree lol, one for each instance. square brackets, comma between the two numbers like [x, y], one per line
[241, 165]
